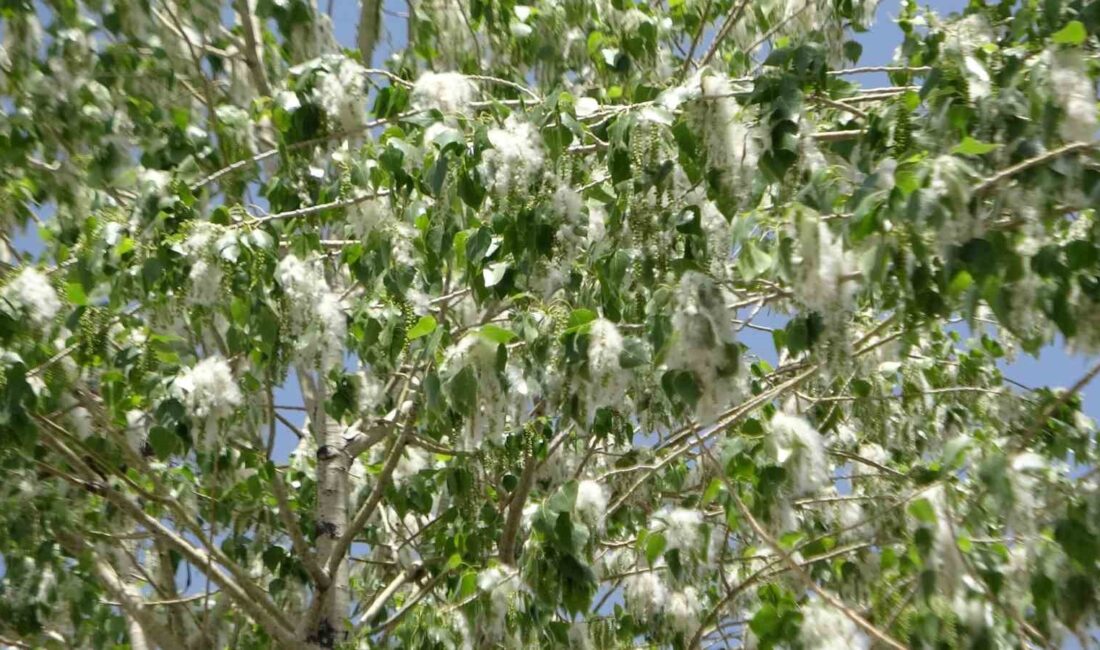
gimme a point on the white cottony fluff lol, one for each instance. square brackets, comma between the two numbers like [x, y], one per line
[516, 157]
[576, 230]
[30, 293]
[316, 312]
[826, 286]
[968, 34]
[413, 459]
[799, 447]
[950, 182]
[597, 222]
[591, 502]
[501, 583]
[874, 452]
[341, 93]
[371, 391]
[682, 610]
[206, 279]
[567, 204]
[152, 181]
[236, 126]
[945, 558]
[826, 628]
[1075, 92]
[449, 92]
[704, 342]
[579, 638]
[682, 528]
[208, 389]
[609, 379]
[493, 413]
[136, 429]
[645, 593]
[205, 276]
[366, 217]
[79, 418]
[454, 38]
[730, 143]
[849, 514]
[304, 456]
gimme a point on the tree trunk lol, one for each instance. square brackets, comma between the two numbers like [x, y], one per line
[332, 520]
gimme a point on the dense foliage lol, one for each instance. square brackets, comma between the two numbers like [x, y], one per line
[513, 275]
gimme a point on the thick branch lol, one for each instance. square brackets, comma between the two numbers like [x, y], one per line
[357, 524]
[380, 601]
[298, 542]
[146, 622]
[253, 48]
[515, 512]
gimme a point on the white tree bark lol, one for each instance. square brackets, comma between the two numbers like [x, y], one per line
[332, 515]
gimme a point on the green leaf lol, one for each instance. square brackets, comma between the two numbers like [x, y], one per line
[634, 354]
[563, 499]
[163, 441]
[789, 540]
[462, 389]
[468, 586]
[655, 544]
[711, 493]
[1073, 33]
[765, 621]
[803, 332]
[686, 387]
[580, 317]
[618, 162]
[437, 175]
[75, 293]
[1077, 541]
[779, 56]
[478, 245]
[272, 556]
[971, 147]
[922, 511]
[425, 326]
[496, 334]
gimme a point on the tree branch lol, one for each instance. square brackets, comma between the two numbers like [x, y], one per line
[253, 47]
[364, 513]
[297, 541]
[146, 622]
[401, 578]
[515, 512]
[731, 20]
[1008, 172]
[246, 594]
[314, 209]
[829, 598]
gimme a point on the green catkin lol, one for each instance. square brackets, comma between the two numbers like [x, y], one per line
[92, 333]
[903, 131]
[347, 188]
[959, 80]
